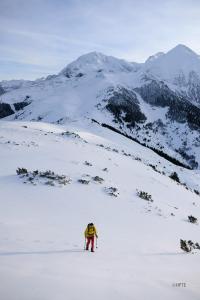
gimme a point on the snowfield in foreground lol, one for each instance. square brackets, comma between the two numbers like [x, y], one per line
[42, 221]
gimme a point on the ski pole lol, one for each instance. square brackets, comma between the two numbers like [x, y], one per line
[96, 243]
[85, 244]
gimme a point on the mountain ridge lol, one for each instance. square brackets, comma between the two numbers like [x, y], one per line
[161, 113]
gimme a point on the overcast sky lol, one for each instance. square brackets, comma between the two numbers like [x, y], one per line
[40, 37]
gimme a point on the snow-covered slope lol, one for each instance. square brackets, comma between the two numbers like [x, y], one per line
[9, 85]
[156, 103]
[42, 220]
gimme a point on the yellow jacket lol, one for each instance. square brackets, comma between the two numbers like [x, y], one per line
[90, 231]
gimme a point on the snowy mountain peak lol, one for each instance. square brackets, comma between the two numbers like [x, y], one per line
[97, 62]
[140, 99]
[182, 52]
[91, 58]
[179, 61]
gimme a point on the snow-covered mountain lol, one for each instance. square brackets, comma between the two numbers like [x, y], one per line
[180, 67]
[157, 103]
[110, 142]
[97, 62]
[179, 60]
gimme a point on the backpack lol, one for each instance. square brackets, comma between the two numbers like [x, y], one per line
[90, 229]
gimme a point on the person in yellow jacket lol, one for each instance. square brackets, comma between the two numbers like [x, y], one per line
[90, 233]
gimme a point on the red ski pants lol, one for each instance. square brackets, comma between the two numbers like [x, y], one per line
[90, 240]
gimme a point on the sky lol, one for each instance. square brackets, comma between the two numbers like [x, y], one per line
[40, 37]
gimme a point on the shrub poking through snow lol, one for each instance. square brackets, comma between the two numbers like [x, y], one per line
[192, 219]
[112, 191]
[61, 179]
[138, 158]
[87, 164]
[100, 145]
[83, 181]
[185, 246]
[145, 196]
[71, 134]
[21, 171]
[197, 246]
[36, 172]
[175, 177]
[47, 174]
[98, 179]
[197, 192]
[40, 177]
[188, 246]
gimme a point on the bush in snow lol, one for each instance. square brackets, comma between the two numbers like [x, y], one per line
[175, 177]
[192, 219]
[153, 167]
[197, 192]
[98, 179]
[48, 174]
[41, 176]
[87, 164]
[61, 179]
[112, 191]
[71, 134]
[21, 171]
[185, 185]
[79, 75]
[83, 181]
[137, 158]
[188, 246]
[100, 145]
[185, 246]
[126, 154]
[145, 196]
[197, 246]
